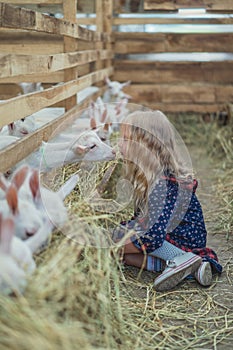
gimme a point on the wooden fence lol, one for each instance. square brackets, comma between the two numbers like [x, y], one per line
[67, 57]
[171, 84]
[39, 48]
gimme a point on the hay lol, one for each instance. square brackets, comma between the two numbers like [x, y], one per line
[82, 297]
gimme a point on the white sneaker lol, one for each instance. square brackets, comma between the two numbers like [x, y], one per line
[177, 269]
[204, 274]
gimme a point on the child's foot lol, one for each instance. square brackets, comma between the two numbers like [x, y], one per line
[204, 274]
[176, 270]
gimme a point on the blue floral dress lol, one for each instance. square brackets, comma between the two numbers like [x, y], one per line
[174, 214]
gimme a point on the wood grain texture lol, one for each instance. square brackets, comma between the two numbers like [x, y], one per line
[17, 17]
[174, 72]
[171, 5]
[129, 43]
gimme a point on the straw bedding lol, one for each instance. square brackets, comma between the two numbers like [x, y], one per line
[82, 297]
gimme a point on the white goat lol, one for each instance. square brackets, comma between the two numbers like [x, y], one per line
[21, 127]
[109, 114]
[30, 87]
[28, 218]
[26, 180]
[6, 140]
[48, 205]
[114, 92]
[16, 261]
[97, 121]
[85, 147]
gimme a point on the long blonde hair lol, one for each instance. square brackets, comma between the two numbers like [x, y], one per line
[151, 152]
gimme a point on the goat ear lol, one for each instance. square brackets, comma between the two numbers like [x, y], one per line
[12, 199]
[93, 124]
[79, 149]
[104, 115]
[3, 182]
[7, 230]
[11, 126]
[34, 184]
[106, 126]
[126, 83]
[107, 80]
[19, 176]
[91, 109]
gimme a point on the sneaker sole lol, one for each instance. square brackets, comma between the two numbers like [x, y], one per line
[174, 276]
[204, 274]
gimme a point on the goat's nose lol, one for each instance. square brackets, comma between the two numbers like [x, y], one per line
[114, 152]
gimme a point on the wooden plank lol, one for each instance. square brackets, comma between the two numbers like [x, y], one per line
[171, 5]
[23, 106]
[47, 6]
[70, 44]
[86, 21]
[25, 42]
[55, 77]
[18, 2]
[126, 43]
[117, 21]
[174, 72]
[178, 108]
[9, 91]
[99, 27]
[107, 25]
[181, 94]
[16, 17]
[14, 65]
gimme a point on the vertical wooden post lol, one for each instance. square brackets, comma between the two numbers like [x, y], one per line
[70, 44]
[104, 9]
[107, 24]
[99, 28]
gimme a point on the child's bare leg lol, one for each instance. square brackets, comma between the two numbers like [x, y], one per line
[136, 259]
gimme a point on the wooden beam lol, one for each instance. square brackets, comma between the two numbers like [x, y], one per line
[107, 25]
[126, 43]
[86, 21]
[26, 42]
[117, 21]
[40, 2]
[178, 108]
[16, 17]
[171, 5]
[25, 105]
[70, 44]
[55, 77]
[99, 45]
[14, 65]
[174, 72]
[54, 6]
[181, 94]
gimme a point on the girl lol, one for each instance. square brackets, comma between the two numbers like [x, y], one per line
[168, 231]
